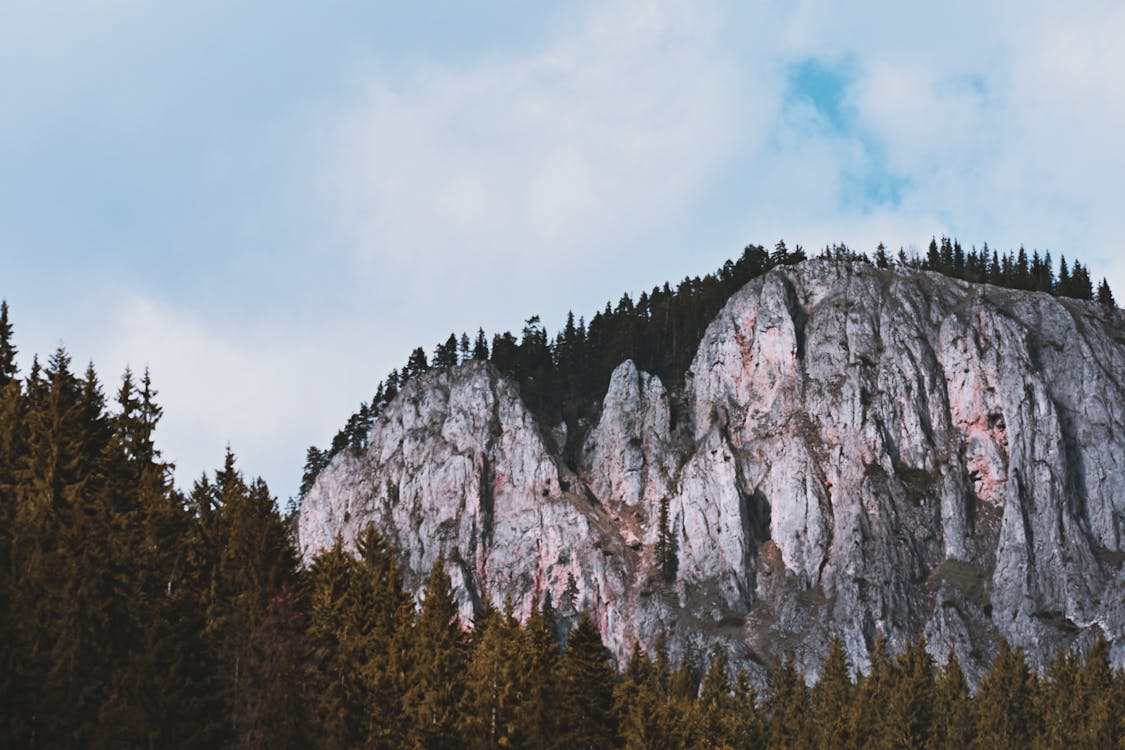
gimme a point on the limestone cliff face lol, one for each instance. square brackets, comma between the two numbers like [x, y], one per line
[854, 450]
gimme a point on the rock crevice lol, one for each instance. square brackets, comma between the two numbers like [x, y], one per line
[854, 450]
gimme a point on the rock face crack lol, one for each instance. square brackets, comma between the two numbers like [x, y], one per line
[854, 451]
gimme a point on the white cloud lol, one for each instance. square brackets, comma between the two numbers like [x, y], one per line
[539, 167]
[267, 397]
[646, 141]
[1002, 124]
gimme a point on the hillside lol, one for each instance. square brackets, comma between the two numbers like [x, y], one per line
[852, 449]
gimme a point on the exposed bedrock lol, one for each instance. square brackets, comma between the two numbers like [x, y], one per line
[854, 450]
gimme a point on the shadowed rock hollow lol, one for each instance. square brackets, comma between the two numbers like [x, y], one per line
[854, 450]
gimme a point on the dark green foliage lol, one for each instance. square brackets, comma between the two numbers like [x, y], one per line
[787, 707]
[134, 616]
[8, 349]
[586, 682]
[436, 654]
[1105, 295]
[564, 377]
[667, 559]
[952, 726]
[911, 707]
[1003, 706]
[831, 699]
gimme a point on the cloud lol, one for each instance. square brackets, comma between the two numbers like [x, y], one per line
[264, 396]
[537, 167]
[315, 217]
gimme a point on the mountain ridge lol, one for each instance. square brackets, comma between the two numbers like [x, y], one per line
[966, 485]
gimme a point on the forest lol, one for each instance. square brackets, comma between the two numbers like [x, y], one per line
[133, 614]
[565, 377]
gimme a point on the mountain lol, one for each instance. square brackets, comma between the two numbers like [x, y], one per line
[853, 449]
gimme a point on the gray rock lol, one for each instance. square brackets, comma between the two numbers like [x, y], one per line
[859, 452]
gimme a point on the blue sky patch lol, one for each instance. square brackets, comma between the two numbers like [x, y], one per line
[825, 85]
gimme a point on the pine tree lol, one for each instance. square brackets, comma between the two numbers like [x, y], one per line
[787, 706]
[953, 722]
[536, 715]
[874, 695]
[1003, 705]
[275, 713]
[912, 703]
[1098, 699]
[831, 698]
[436, 668]
[1057, 704]
[586, 680]
[667, 561]
[8, 369]
[1105, 295]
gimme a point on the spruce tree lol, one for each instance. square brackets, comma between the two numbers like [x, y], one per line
[8, 369]
[871, 725]
[537, 714]
[831, 698]
[435, 671]
[275, 712]
[1098, 699]
[1003, 706]
[496, 683]
[1058, 703]
[586, 684]
[787, 706]
[1105, 295]
[953, 720]
[912, 702]
[336, 679]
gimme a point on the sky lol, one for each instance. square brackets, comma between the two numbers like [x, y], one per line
[270, 203]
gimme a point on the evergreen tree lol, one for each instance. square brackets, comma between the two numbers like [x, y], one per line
[667, 561]
[1058, 706]
[913, 699]
[953, 722]
[1101, 704]
[445, 355]
[1003, 705]
[480, 346]
[787, 706]
[275, 713]
[336, 665]
[436, 668]
[1105, 295]
[586, 684]
[535, 715]
[8, 369]
[831, 699]
[416, 365]
[882, 260]
[253, 558]
[497, 683]
[872, 727]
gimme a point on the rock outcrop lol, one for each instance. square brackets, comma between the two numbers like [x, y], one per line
[854, 450]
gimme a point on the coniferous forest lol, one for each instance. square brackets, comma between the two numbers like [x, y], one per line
[565, 377]
[137, 614]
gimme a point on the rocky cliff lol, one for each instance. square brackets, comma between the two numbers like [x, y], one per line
[854, 450]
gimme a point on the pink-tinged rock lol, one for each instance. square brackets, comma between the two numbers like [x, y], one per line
[853, 450]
